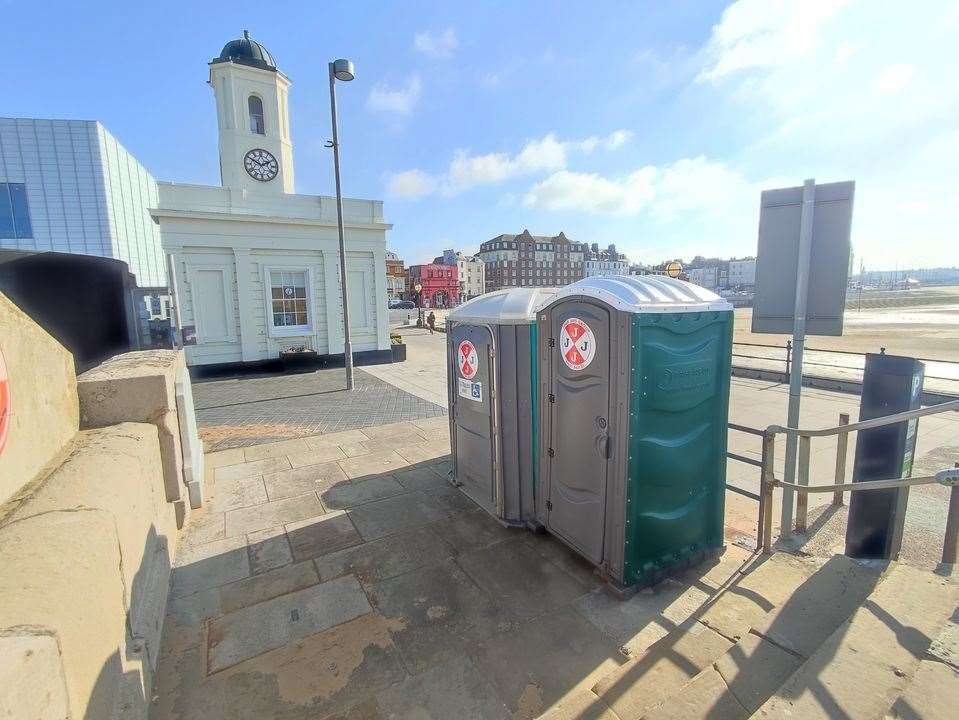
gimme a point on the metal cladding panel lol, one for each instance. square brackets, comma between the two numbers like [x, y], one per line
[676, 472]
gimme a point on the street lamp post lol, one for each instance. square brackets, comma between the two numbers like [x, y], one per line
[341, 70]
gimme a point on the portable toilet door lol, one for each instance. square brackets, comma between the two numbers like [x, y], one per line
[579, 381]
[470, 351]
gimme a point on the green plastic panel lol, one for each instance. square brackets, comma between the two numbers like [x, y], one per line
[675, 488]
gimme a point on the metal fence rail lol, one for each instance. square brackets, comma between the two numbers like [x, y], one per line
[948, 477]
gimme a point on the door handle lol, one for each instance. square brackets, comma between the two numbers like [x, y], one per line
[602, 446]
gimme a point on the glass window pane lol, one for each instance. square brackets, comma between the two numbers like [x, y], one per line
[277, 293]
[6, 213]
[300, 291]
[21, 212]
[301, 318]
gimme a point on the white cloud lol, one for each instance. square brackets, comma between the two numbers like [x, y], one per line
[894, 78]
[398, 101]
[860, 90]
[410, 184]
[546, 154]
[664, 192]
[763, 33]
[441, 45]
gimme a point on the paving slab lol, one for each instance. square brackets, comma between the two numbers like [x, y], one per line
[520, 579]
[818, 606]
[385, 558]
[385, 517]
[272, 514]
[275, 449]
[322, 535]
[209, 565]
[355, 448]
[345, 437]
[564, 557]
[249, 469]
[754, 668]
[203, 527]
[233, 456]
[302, 480]
[544, 660]
[580, 705]
[393, 430]
[421, 477]
[358, 492]
[638, 622]
[396, 442]
[230, 494]
[316, 456]
[455, 689]
[450, 499]
[745, 601]
[375, 463]
[424, 452]
[704, 698]
[267, 586]
[933, 694]
[439, 612]
[269, 549]
[268, 625]
[868, 661]
[473, 529]
[332, 674]
[440, 424]
[641, 684]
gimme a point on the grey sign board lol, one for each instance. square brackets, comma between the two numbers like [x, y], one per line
[777, 259]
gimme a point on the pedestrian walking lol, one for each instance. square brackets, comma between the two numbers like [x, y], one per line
[431, 321]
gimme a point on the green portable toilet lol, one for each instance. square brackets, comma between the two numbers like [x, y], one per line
[634, 393]
[491, 374]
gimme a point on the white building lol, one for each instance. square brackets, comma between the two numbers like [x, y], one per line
[256, 267]
[707, 277]
[742, 272]
[70, 186]
[472, 273]
[605, 263]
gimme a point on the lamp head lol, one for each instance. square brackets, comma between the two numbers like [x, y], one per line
[343, 70]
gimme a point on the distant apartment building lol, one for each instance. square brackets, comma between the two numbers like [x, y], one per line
[69, 186]
[471, 270]
[605, 262]
[742, 272]
[707, 277]
[439, 285]
[532, 260]
[395, 276]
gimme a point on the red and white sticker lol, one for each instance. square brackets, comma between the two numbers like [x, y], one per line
[576, 344]
[467, 359]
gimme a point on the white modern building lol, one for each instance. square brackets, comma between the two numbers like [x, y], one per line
[69, 186]
[707, 277]
[742, 272]
[472, 273]
[255, 267]
[605, 263]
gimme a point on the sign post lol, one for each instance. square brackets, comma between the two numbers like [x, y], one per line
[802, 270]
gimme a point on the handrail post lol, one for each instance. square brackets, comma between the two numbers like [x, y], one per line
[789, 352]
[766, 485]
[802, 501]
[842, 444]
[950, 542]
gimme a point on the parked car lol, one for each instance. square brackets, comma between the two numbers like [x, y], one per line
[401, 305]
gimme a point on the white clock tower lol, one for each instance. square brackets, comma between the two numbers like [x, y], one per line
[253, 118]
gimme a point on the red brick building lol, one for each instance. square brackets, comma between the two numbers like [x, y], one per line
[440, 283]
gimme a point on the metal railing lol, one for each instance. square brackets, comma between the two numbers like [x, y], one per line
[769, 481]
[758, 497]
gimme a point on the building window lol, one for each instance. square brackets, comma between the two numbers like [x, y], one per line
[14, 211]
[256, 115]
[289, 300]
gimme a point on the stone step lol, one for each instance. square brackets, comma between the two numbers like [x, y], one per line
[867, 664]
[742, 597]
[749, 672]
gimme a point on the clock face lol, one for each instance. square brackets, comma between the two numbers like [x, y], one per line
[261, 165]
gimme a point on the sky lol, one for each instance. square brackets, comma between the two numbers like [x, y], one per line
[650, 125]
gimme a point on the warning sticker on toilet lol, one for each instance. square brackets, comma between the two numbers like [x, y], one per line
[467, 359]
[576, 344]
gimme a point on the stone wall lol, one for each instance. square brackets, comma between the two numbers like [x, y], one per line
[44, 412]
[87, 536]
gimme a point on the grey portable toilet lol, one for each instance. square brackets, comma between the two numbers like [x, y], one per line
[491, 372]
[634, 391]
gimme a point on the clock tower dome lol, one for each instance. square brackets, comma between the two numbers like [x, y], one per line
[253, 118]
